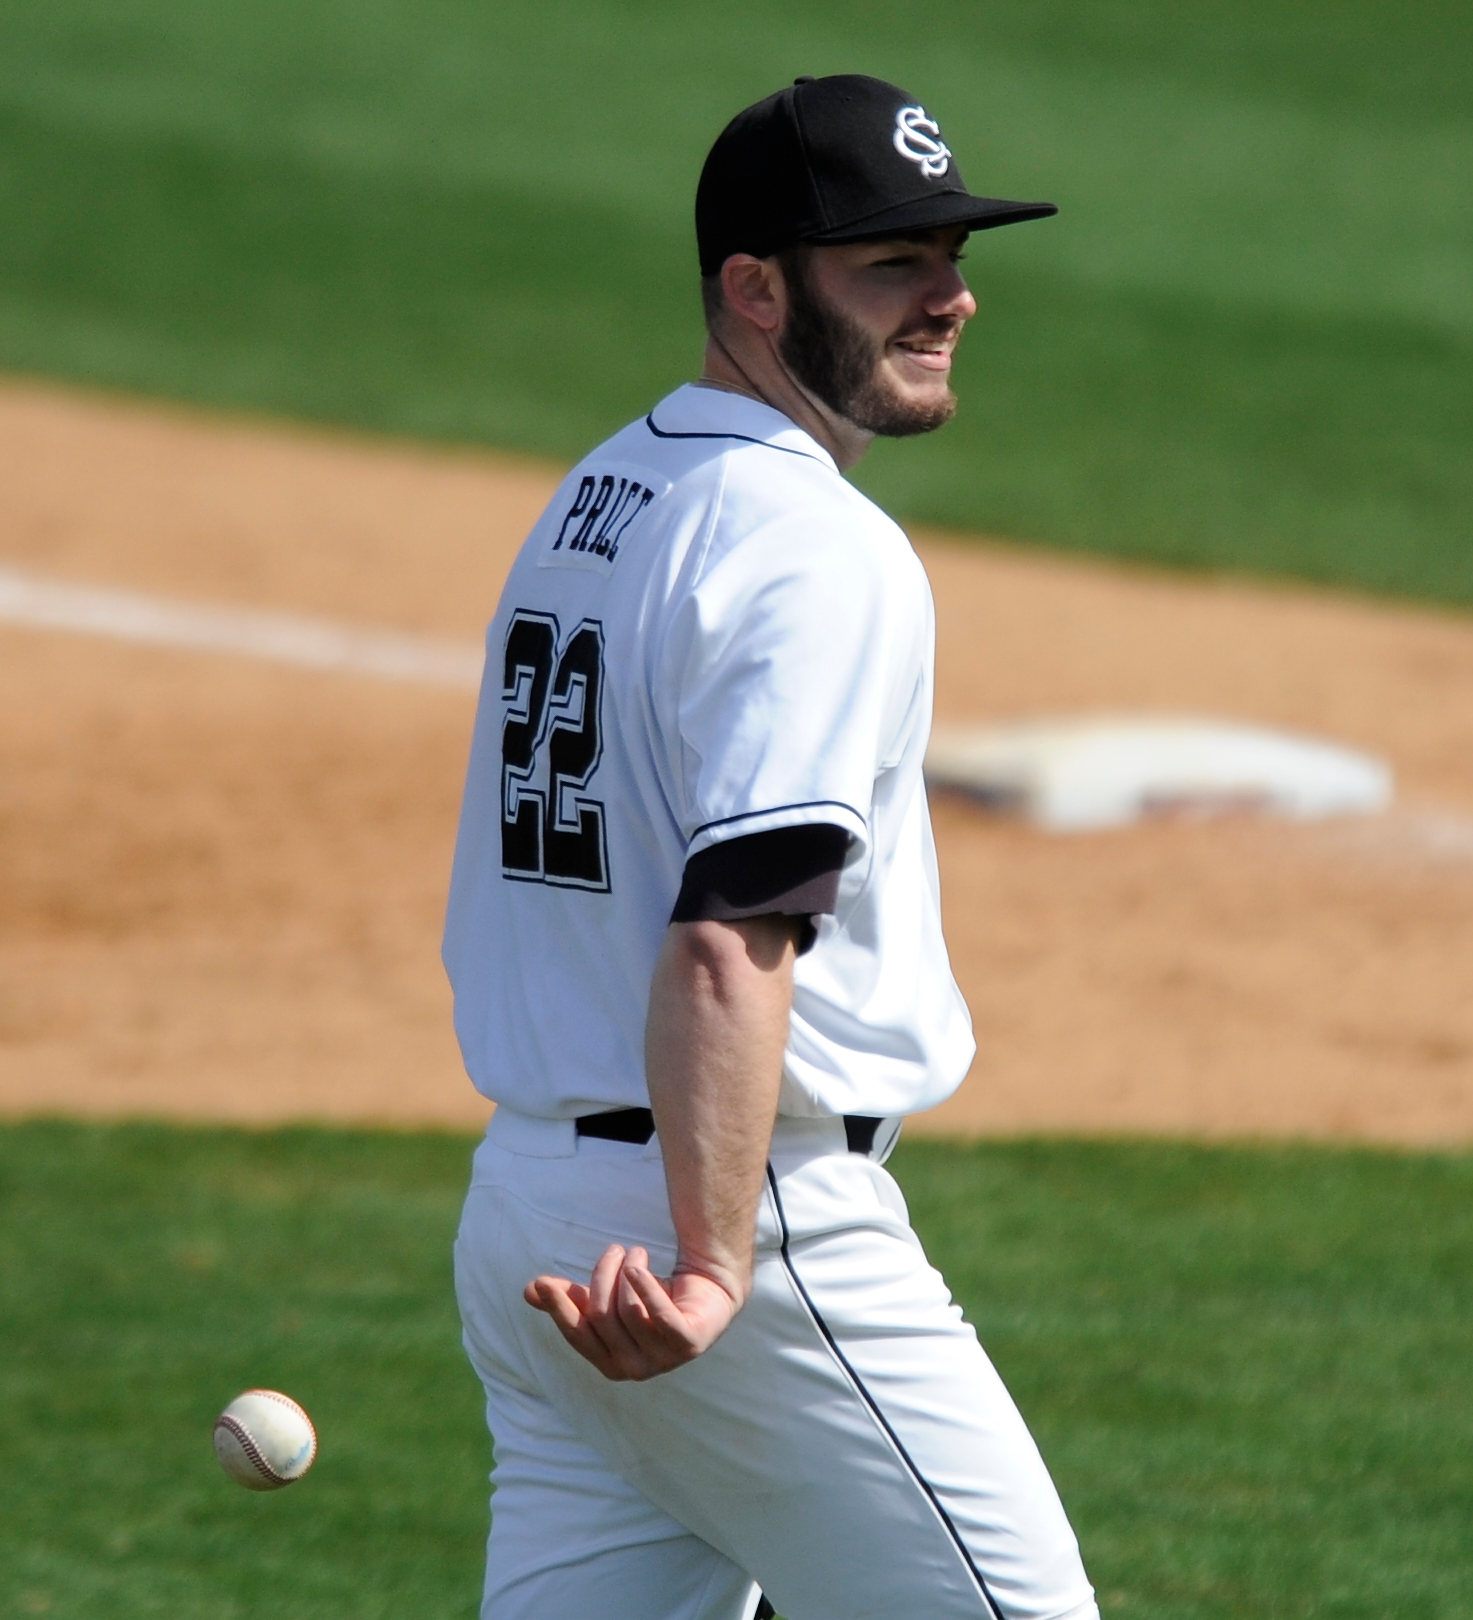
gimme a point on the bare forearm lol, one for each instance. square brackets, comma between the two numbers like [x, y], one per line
[718, 1026]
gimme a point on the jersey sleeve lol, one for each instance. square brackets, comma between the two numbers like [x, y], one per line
[800, 659]
[790, 870]
[787, 871]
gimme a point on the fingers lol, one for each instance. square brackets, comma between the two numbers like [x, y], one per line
[576, 1292]
[652, 1318]
[605, 1280]
[553, 1296]
[629, 1323]
[630, 1304]
[675, 1321]
[588, 1318]
[602, 1312]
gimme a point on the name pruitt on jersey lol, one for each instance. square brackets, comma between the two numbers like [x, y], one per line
[604, 507]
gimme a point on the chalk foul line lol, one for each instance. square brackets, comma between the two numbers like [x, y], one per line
[280, 638]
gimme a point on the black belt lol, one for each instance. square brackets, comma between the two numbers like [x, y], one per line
[638, 1125]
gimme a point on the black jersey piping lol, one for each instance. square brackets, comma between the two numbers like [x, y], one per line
[777, 810]
[743, 438]
[872, 1404]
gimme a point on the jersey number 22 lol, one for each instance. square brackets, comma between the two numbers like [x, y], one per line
[552, 833]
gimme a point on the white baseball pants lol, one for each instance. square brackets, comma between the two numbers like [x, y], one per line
[845, 1446]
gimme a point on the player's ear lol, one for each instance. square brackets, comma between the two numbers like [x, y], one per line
[753, 289]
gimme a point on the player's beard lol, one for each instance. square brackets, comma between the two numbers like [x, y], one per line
[839, 362]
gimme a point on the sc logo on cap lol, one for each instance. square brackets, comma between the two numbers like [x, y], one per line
[918, 138]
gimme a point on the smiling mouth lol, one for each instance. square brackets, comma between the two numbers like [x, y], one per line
[929, 353]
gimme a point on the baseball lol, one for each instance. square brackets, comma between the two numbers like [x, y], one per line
[264, 1440]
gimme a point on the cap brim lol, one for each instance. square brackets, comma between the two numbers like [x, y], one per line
[933, 213]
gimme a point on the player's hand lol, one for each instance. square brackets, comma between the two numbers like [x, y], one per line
[630, 1323]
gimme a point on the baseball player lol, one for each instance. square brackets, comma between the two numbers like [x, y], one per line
[695, 940]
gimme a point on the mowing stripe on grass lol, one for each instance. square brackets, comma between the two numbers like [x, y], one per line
[280, 638]
[1245, 343]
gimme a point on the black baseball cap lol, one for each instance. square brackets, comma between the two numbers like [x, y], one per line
[840, 159]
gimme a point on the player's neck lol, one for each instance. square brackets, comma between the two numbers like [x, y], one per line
[756, 370]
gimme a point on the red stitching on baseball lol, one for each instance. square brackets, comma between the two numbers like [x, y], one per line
[253, 1452]
[249, 1446]
[299, 1409]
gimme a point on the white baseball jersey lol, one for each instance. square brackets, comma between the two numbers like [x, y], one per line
[708, 634]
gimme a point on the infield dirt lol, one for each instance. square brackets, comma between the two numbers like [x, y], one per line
[221, 881]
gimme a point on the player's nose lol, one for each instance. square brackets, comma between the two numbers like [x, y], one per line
[949, 295]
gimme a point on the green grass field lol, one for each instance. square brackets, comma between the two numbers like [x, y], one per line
[1247, 341]
[1249, 1369]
